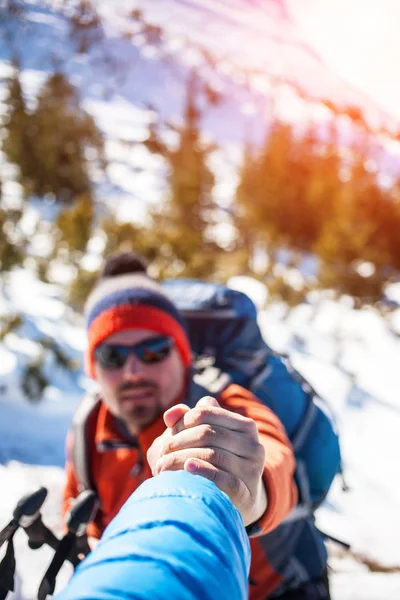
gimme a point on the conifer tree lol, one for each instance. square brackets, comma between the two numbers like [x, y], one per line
[180, 228]
[86, 27]
[34, 381]
[65, 132]
[18, 141]
[11, 249]
[123, 237]
[359, 245]
[75, 224]
[264, 187]
[79, 288]
[50, 145]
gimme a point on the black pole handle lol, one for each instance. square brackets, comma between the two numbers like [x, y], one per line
[29, 506]
[25, 512]
[80, 514]
[82, 511]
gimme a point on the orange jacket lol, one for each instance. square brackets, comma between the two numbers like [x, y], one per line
[118, 472]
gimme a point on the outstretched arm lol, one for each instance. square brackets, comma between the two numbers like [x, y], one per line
[240, 445]
[176, 536]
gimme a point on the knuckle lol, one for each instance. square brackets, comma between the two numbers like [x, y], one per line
[259, 457]
[169, 462]
[250, 425]
[208, 434]
[167, 447]
[196, 416]
[258, 452]
[201, 414]
[213, 456]
[177, 428]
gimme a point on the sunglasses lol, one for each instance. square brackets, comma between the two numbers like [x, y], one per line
[149, 352]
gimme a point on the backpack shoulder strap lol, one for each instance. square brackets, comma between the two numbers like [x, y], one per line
[210, 382]
[83, 428]
[213, 380]
[315, 403]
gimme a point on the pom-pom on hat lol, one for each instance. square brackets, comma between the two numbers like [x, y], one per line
[132, 301]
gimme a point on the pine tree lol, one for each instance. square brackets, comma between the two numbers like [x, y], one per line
[264, 188]
[123, 237]
[359, 246]
[11, 250]
[64, 133]
[18, 140]
[86, 27]
[50, 145]
[34, 381]
[180, 230]
[75, 225]
[9, 324]
[12, 10]
[79, 288]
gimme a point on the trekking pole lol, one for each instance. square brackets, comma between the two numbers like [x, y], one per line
[38, 535]
[24, 514]
[80, 515]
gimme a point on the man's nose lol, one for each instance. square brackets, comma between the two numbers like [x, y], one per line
[132, 365]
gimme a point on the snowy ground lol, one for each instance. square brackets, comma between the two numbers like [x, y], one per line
[351, 357]
[319, 337]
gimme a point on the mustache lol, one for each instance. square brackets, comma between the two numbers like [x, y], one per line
[137, 384]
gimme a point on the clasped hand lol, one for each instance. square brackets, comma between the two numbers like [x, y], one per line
[218, 444]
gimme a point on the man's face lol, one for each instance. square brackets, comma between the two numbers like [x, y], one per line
[137, 392]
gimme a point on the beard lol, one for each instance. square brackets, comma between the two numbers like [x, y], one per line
[139, 404]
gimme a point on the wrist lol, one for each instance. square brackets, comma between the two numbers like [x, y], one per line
[262, 501]
[259, 506]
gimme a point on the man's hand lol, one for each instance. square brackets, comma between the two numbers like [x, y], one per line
[218, 444]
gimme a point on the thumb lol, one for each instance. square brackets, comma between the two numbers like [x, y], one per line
[207, 401]
[174, 414]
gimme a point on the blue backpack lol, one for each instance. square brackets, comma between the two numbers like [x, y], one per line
[225, 337]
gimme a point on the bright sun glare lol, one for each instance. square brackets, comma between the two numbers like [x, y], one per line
[358, 39]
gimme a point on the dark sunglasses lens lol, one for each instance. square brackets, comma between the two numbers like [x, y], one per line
[149, 352]
[155, 350]
[110, 356]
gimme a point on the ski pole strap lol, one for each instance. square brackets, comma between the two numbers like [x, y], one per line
[334, 539]
[81, 548]
[7, 570]
[48, 582]
[8, 531]
[38, 534]
[80, 514]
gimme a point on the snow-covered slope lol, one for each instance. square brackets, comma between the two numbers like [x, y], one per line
[251, 53]
[351, 357]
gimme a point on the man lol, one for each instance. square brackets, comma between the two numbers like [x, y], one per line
[149, 421]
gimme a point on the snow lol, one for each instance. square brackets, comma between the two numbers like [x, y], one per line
[256, 290]
[16, 480]
[350, 356]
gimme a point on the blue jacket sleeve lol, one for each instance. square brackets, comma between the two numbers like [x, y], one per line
[177, 536]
